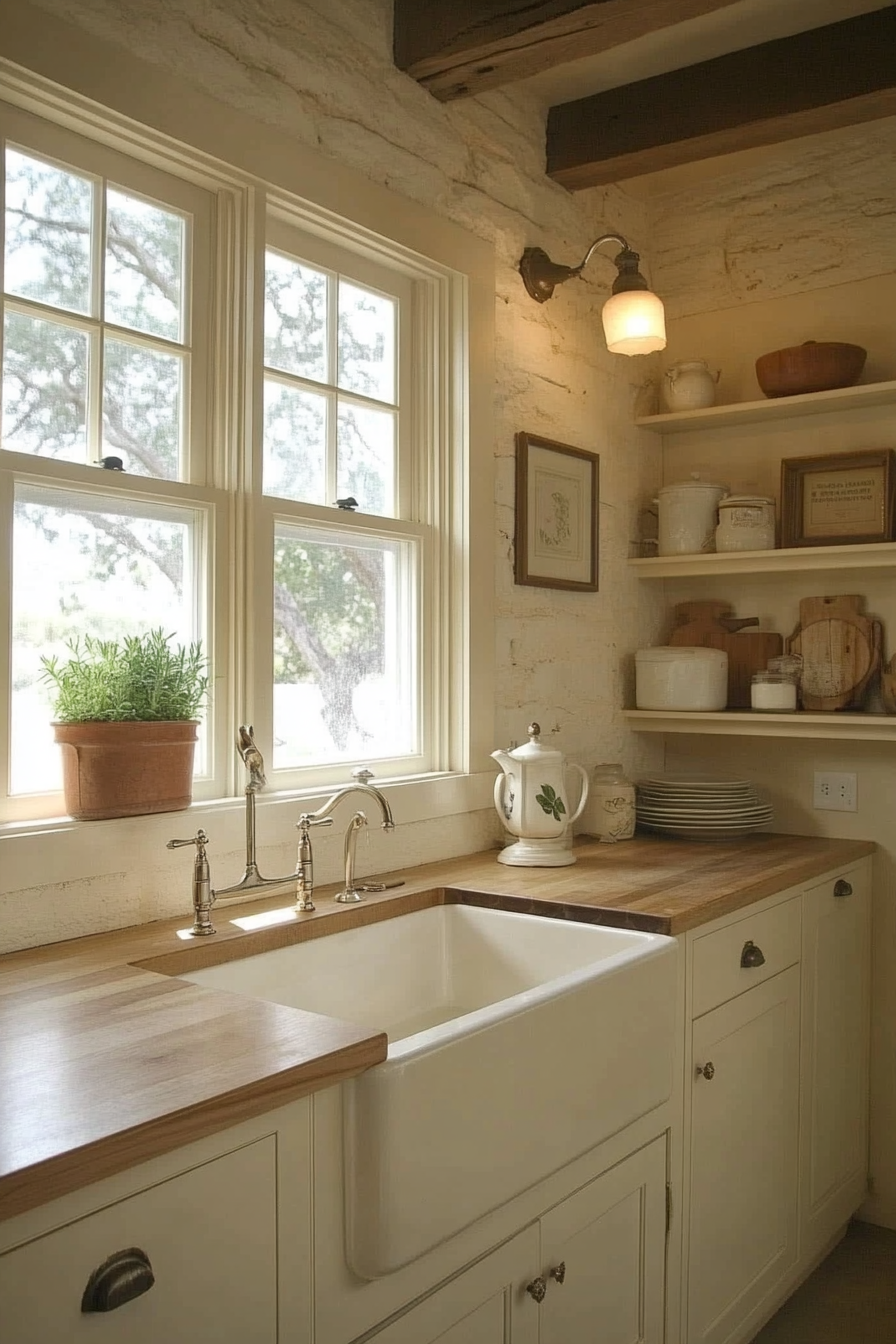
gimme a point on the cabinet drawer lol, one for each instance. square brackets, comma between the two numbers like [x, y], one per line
[210, 1236]
[724, 965]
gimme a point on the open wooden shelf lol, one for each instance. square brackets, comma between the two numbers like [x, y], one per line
[776, 408]
[747, 723]
[802, 560]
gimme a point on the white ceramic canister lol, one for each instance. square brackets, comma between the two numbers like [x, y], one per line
[690, 385]
[746, 523]
[688, 514]
[681, 678]
[611, 807]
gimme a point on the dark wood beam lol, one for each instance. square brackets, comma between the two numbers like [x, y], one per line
[838, 75]
[456, 48]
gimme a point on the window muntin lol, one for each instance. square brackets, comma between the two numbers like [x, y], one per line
[96, 331]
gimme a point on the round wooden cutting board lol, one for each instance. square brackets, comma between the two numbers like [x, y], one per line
[840, 649]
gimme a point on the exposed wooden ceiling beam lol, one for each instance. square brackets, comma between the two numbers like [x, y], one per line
[464, 47]
[838, 75]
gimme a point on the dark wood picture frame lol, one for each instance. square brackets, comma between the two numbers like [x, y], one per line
[556, 540]
[839, 499]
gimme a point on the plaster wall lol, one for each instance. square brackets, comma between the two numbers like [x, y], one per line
[802, 249]
[323, 74]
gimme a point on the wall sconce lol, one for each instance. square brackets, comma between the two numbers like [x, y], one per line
[633, 318]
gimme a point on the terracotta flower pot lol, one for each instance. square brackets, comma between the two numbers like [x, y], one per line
[126, 769]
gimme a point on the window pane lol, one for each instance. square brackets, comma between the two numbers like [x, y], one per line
[82, 566]
[44, 388]
[144, 266]
[142, 397]
[344, 641]
[366, 458]
[366, 342]
[295, 318]
[295, 444]
[48, 219]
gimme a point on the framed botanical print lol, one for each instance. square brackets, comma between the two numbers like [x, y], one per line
[556, 534]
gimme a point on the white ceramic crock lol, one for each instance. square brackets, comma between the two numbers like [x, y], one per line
[688, 514]
[690, 385]
[746, 523]
[681, 678]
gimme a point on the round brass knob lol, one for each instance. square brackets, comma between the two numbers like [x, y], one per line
[842, 887]
[537, 1289]
[708, 1070]
[559, 1271]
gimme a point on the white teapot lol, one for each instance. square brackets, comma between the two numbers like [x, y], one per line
[531, 800]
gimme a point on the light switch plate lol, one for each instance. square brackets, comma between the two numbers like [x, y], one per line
[835, 791]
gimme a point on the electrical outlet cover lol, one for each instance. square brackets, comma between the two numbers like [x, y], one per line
[835, 791]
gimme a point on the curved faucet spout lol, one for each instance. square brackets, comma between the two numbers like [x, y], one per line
[345, 792]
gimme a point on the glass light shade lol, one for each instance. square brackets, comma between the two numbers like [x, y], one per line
[634, 323]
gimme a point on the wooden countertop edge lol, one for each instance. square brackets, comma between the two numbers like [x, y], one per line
[38, 1184]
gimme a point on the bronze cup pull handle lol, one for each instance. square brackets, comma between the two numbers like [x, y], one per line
[125, 1275]
[751, 956]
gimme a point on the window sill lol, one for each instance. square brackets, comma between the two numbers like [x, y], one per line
[40, 853]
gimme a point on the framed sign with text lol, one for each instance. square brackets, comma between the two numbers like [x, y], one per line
[839, 499]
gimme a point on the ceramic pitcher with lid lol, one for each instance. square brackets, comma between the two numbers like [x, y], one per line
[690, 385]
[531, 800]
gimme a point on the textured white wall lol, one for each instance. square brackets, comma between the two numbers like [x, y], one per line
[803, 247]
[322, 71]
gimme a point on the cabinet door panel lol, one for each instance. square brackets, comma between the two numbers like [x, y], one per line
[836, 1007]
[744, 1134]
[610, 1239]
[486, 1304]
[211, 1238]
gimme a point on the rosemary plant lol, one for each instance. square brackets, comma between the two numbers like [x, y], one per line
[142, 678]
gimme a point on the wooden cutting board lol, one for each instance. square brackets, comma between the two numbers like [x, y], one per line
[713, 625]
[840, 648]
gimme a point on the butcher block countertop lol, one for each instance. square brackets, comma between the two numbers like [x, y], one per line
[107, 1059]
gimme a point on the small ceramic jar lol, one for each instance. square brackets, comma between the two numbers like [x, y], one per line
[746, 523]
[612, 805]
[690, 386]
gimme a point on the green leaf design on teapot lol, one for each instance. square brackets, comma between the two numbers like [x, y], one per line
[550, 802]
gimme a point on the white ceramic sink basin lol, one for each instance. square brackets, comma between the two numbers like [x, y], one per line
[516, 1043]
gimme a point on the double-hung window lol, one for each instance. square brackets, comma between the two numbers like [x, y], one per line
[335, 510]
[226, 416]
[107, 516]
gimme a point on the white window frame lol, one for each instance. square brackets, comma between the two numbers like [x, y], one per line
[77, 85]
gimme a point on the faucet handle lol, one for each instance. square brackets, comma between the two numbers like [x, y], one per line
[361, 774]
[200, 840]
[307, 819]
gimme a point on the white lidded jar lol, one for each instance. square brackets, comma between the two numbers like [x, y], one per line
[672, 677]
[690, 385]
[688, 514]
[746, 523]
[611, 808]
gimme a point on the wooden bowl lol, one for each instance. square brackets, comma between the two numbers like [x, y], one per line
[815, 366]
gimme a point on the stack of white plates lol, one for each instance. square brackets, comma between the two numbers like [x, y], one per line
[700, 807]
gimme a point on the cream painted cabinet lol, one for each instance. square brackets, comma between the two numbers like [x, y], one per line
[486, 1304]
[836, 969]
[744, 1135]
[603, 1257]
[773, 1156]
[193, 1258]
[589, 1271]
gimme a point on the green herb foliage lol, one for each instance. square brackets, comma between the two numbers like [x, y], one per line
[140, 678]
